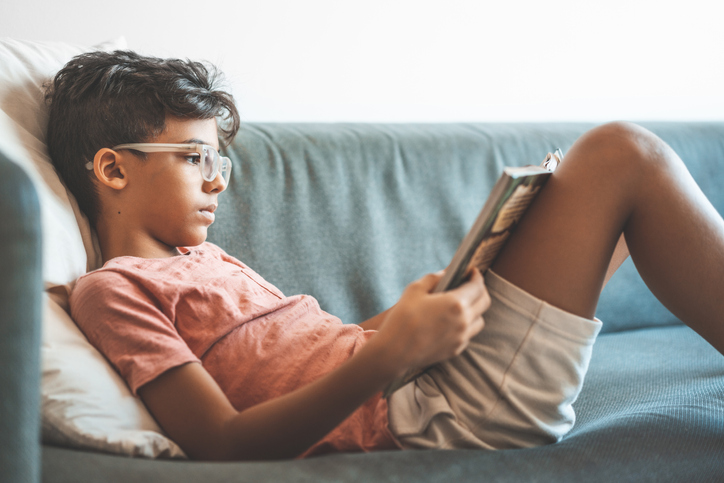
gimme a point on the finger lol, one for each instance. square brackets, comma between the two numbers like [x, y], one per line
[475, 327]
[482, 304]
[474, 288]
[429, 281]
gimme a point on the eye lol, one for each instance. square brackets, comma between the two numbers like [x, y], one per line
[193, 158]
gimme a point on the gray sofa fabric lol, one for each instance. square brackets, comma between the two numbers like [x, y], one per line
[20, 314]
[370, 207]
[351, 213]
[651, 410]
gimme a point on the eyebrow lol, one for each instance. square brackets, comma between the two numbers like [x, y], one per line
[198, 141]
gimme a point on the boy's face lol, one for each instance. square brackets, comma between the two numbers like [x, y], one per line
[171, 202]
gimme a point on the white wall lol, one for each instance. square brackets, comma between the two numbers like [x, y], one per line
[422, 61]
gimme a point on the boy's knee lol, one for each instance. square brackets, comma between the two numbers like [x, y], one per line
[626, 145]
[625, 137]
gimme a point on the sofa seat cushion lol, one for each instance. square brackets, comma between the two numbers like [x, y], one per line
[651, 409]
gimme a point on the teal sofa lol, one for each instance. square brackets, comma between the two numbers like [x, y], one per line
[351, 213]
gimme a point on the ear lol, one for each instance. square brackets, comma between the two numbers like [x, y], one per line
[109, 169]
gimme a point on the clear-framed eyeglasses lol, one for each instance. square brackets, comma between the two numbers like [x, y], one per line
[209, 161]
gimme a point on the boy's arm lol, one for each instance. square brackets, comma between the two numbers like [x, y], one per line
[375, 322]
[421, 329]
[196, 414]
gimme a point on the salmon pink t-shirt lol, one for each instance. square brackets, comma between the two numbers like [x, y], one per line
[150, 315]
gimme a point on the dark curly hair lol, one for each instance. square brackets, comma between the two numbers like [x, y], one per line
[102, 99]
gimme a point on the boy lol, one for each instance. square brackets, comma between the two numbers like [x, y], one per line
[233, 369]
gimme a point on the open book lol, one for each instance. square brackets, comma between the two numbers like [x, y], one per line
[510, 198]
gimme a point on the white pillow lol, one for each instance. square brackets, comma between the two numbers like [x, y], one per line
[85, 404]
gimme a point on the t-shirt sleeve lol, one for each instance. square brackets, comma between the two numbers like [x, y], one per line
[120, 319]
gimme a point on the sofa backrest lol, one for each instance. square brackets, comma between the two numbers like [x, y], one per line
[351, 213]
[21, 288]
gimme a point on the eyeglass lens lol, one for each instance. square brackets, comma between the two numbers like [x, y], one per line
[213, 163]
[210, 166]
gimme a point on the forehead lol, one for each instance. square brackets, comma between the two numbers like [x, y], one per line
[189, 130]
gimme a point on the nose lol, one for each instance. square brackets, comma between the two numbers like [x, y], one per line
[218, 184]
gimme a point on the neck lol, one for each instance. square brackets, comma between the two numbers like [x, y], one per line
[116, 239]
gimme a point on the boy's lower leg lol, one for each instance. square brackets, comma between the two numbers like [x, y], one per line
[620, 178]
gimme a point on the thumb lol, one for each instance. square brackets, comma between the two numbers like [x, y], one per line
[429, 281]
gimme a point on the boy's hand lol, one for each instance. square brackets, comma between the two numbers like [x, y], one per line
[424, 328]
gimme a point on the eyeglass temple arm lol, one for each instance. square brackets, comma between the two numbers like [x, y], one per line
[157, 147]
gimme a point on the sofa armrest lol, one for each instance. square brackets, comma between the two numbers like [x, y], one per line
[21, 294]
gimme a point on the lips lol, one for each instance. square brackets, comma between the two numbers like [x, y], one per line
[208, 212]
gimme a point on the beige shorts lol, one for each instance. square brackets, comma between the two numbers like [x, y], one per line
[514, 385]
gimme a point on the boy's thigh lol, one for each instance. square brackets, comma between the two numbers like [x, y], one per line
[561, 250]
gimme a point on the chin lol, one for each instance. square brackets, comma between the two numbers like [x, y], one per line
[192, 240]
